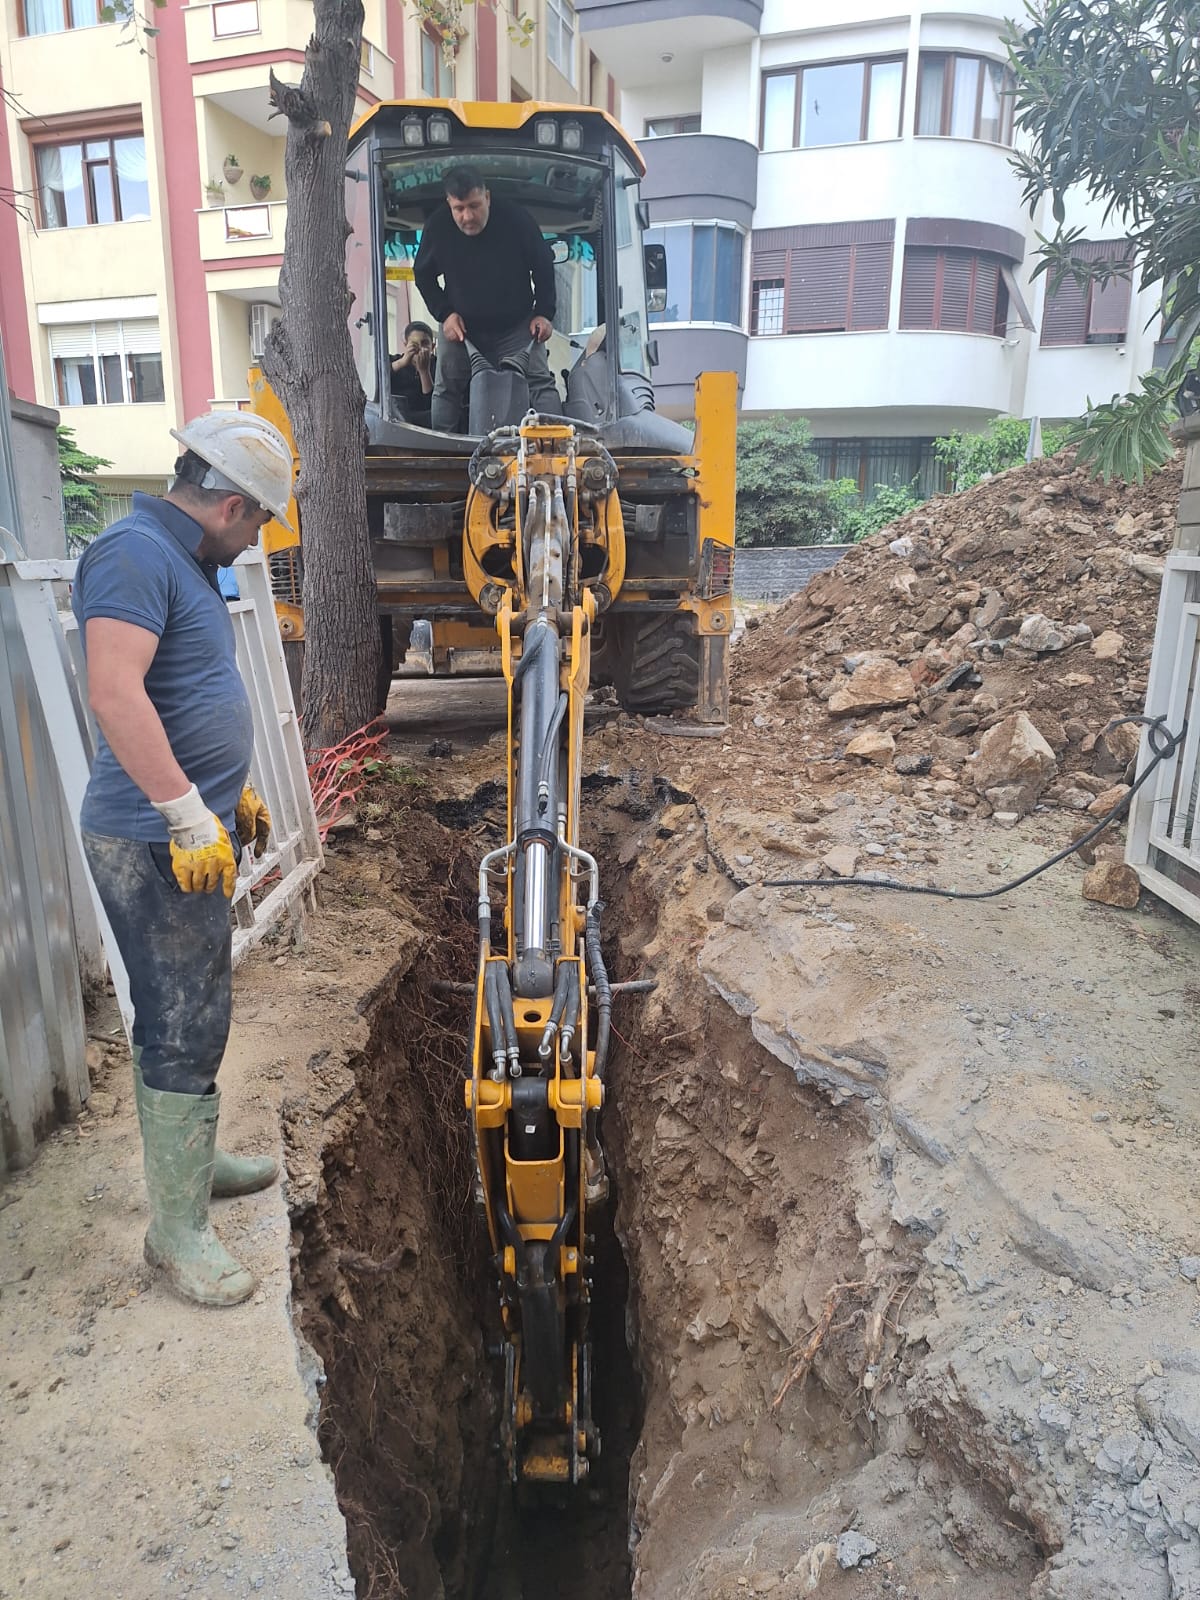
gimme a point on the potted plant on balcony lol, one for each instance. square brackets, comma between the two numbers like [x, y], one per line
[232, 170]
[260, 185]
[214, 194]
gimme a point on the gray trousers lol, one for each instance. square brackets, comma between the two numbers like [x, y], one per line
[177, 949]
[452, 379]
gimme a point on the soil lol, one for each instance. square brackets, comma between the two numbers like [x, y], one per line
[904, 1216]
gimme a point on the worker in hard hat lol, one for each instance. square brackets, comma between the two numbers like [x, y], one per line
[169, 809]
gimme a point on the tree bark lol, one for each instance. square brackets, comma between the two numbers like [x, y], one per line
[309, 363]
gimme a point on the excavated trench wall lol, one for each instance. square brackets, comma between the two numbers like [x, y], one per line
[756, 1370]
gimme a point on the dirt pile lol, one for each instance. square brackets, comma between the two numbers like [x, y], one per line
[1025, 605]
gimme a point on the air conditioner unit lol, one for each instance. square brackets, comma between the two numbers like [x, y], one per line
[263, 317]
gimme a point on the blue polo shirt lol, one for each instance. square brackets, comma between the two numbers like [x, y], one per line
[144, 570]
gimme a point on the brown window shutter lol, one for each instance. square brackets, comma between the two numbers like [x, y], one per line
[872, 285]
[768, 263]
[1064, 316]
[1109, 310]
[917, 288]
[987, 290]
[957, 274]
[818, 289]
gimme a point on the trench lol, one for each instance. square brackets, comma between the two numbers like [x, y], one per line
[731, 1187]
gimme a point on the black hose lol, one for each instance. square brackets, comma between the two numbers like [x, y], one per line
[541, 632]
[504, 990]
[562, 989]
[1163, 743]
[491, 995]
[599, 976]
[550, 746]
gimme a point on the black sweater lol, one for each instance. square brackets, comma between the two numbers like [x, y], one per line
[485, 277]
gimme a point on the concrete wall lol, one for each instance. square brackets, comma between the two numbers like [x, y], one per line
[775, 573]
[39, 487]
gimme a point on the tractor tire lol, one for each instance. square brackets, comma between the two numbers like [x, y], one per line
[655, 662]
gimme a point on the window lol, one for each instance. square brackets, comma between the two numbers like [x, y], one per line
[661, 127]
[965, 97]
[958, 291]
[366, 58]
[842, 102]
[633, 351]
[247, 222]
[57, 16]
[107, 363]
[827, 278]
[882, 463]
[560, 37]
[92, 180]
[437, 74]
[766, 305]
[1085, 311]
[704, 272]
[233, 17]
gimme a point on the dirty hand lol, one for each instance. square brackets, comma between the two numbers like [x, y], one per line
[540, 329]
[454, 328]
[253, 820]
[201, 851]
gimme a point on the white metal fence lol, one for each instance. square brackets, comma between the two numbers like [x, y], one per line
[47, 740]
[1164, 828]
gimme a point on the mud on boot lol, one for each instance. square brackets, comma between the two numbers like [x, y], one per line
[179, 1136]
[232, 1175]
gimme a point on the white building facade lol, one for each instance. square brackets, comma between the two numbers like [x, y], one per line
[832, 184]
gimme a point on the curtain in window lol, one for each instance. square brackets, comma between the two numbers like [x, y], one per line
[131, 178]
[60, 176]
[43, 16]
[933, 84]
[85, 14]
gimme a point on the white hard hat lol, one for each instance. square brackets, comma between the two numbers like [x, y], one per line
[247, 455]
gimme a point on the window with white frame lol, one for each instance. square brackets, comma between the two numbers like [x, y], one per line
[107, 363]
[704, 272]
[84, 182]
[560, 36]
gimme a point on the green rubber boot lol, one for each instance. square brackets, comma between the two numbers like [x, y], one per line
[179, 1138]
[232, 1175]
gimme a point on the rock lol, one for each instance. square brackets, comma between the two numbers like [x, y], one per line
[1013, 757]
[1108, 798]
[793, 689]
[1038, 634]
[1112, 883]
[1181, 1412]
[1021, 1363]
[853, 1549]
[871, 687]
[1054, 1418]
[873, 745]
[1108, 646]
[913, 765]
[1189, 1268]
[1118, 1457]
[841, 860]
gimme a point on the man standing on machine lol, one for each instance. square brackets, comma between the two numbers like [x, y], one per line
[487, 275]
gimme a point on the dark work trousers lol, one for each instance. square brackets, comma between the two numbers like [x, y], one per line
[177, 949]
[452, 380]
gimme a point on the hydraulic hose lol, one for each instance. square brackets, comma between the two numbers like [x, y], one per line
[508, 1019]
[541, 632]
[599, 976]
[549, 752]
[491, 996]
[562, 990]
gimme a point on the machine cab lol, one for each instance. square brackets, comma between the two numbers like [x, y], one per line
[577, 174]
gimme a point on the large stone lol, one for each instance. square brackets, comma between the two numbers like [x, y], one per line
[873, 745]
[872, 687]
[1112, 883]
[1108, 646]
[1038, 634]
[1014, 758]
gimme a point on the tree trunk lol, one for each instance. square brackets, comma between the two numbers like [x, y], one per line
[309, 363]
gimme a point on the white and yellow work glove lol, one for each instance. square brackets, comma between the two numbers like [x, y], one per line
[201, 850]
[253, 820]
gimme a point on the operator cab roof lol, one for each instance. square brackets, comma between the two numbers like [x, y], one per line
[475, 126]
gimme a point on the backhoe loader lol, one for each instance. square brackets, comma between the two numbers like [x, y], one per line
[592, 545]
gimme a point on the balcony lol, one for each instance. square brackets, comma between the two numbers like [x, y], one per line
[663, 41]
[231, 233]
[825, 376]
[683, 354]
[700, 175]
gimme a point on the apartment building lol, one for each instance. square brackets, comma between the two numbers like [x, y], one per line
[140, 262]
[832, 182]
